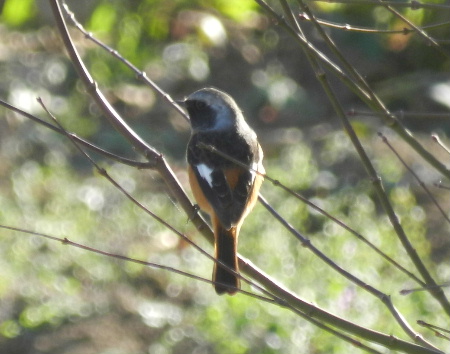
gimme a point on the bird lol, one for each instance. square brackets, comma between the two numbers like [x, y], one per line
[223, 189]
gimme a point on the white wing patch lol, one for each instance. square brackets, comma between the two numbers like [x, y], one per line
[253, 170]
[205, 171]
[257, 166]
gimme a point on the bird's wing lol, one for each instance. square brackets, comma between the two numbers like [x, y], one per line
[226, 190]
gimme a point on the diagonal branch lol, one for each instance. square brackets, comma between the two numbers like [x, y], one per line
[390, 120]
[81, 141]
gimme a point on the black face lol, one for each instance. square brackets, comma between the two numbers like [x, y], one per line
[202, 115]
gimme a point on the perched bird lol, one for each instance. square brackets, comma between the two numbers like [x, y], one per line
[223, 189]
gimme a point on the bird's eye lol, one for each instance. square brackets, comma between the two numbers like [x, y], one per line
[200, 105]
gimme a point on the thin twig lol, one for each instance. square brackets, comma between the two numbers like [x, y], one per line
[422, 184]
[67, 241]
[438, 141]
[369, 30]
[85, 143]
[401, 114]
[139, 73]
[414, 4]
[409, 291]
[437, 330]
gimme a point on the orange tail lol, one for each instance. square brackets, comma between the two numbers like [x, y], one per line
[225, 252]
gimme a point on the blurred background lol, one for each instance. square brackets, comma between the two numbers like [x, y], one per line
[58, 299]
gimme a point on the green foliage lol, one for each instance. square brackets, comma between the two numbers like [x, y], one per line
[17, 13]
[239, 11]
[103, 19]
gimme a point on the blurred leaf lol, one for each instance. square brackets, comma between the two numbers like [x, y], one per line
[103, 18]
[16, 13]
[9, 329]
[237, 9]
